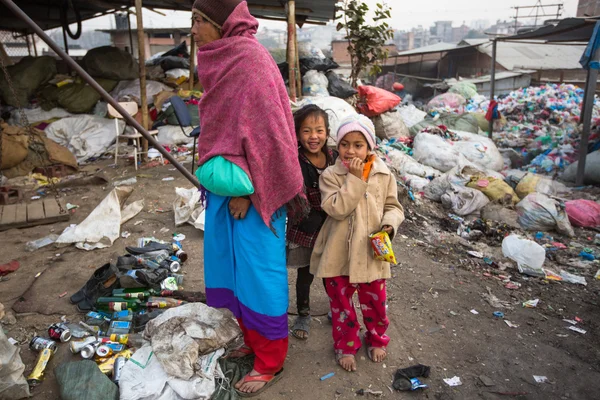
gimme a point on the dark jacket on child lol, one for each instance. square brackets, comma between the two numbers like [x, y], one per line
[306, 231]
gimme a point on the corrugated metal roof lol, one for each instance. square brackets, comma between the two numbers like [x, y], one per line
[434, 48]
[487, 78]
[46, 13]
[538, 56]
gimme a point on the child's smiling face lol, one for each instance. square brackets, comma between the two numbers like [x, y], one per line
[313, 134]
[353, 145]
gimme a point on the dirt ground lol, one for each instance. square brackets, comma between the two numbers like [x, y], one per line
[433, 290]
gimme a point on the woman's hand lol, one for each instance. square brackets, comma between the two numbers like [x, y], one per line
[238, 207]
[356, 167]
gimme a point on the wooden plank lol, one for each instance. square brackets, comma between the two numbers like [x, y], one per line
[51, 209]
[35, 211]
[9, 214]
[21, 214]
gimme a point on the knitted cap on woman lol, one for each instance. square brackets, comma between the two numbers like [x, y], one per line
[216, 11]
[357, 123]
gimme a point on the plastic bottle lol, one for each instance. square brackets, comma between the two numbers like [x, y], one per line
[43, 242]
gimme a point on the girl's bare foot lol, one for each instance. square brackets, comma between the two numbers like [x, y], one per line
[377, 354]
[347, 361]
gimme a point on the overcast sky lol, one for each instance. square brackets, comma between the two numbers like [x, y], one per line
[405, 14]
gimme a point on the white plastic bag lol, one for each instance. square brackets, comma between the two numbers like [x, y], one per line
[529, 255]
[390, 125]
[464, 201]
[538, 212]
[185, 204]
[405, 164]
[315, 83]
[177, 73]
[130, 90]
[169, 135]
[336, 108]
[416, 183]
[444, 154]
[411, 115]
[13, 385]
[592, 170]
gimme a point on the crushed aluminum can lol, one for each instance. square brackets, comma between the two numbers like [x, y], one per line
[37, 375]
[117, 367]
[78, 345]
[39, 343]
[59, 331]
[89, 350]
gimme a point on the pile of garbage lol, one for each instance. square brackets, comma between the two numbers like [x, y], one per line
[141, 334]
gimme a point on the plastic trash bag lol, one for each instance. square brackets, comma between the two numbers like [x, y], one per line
[416, 183]
[405, 164]
[528, 255]
[309, 50]
[584, 213]
[375, 101]
[592, 170]
[538, 212]
[447, 100]
[110, 62]
[495, 189]
[187, 206]
[464, 201]
[390, 125]
[459, 175]
[315, 83]
[337, 109]
[13, 385]
[533, 183]
[83, 380]
[338, 87]
[411, 115]
[27, 76]
[443, 154]
[465, 89]
[316, 64]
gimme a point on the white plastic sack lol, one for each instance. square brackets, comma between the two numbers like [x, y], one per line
[13, 385]
[143, 378]
[411, 115]
[464, 201]
[592, 170]
[86, 136]
[177, 73]
[538, 212]
[315, 83]
[102, 227]
[37, 115]
[187, 201]
[443, 154]
[130, 90]
[336, 108]
[416, 183]
[308, 50]
[169, 135]
[405, 164]
[529, 255]
[459, 175]
[390, 125]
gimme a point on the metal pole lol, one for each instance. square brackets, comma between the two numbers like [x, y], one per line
[130, 33]
[65, 40]
[291, 55]
[107, 97]
[142, 63]
[492, 84]
[586, 117]
[297, 65]
[192, 61]
[28, 44]
[34, 44]
[395, 68]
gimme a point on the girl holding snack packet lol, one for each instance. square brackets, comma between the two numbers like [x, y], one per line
[312, 131]
[359, 195]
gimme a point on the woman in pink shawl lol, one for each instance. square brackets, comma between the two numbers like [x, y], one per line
[246, 121]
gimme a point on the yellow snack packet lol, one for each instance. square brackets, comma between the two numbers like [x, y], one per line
[382, 247]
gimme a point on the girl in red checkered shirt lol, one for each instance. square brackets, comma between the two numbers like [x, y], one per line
[312, 131]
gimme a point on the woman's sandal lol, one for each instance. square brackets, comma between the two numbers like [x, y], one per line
[339, 357]
[269, 380]
[240, 352]
[370, 353]
[301, 324]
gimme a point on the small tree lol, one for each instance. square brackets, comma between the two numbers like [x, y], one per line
[365, 42]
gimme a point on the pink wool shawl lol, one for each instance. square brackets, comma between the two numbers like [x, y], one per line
[246, 115]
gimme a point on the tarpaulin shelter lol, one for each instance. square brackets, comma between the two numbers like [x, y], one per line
[568, 30]
[35, 16]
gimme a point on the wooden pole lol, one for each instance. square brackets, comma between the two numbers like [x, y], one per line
[129, 30]
[142, 62]
[586, 118]
[28, 45]
[297, 64]
[192, 59]
[291, 51]
[492, 84]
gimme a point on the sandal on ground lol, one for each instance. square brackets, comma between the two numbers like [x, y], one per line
[339, 357]
[240, 352]
[269, 380]
[302, 324]
[370, 353]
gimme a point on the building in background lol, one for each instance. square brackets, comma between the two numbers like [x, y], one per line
[588, 8]
[156, 40]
